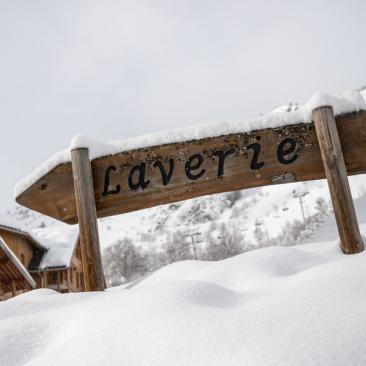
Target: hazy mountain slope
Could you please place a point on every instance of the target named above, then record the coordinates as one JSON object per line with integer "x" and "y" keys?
{"x": 269, "y": 209}
{"x": 29, "y": 219}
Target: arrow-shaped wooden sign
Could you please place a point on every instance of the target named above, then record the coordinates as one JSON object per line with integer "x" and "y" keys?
{"x": 80, "y": 191}
{"x": 137, "y": 179}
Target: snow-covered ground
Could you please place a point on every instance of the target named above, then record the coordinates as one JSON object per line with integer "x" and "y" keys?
{"x": 303, "y": 305}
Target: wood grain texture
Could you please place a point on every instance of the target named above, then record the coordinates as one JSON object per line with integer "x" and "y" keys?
{"x": 335, "y": 171}
{"x": 53, "y": 194}
{"x": 88, "y": 226}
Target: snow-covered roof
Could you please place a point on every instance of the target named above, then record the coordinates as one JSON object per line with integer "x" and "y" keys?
{"x": 13, "y": 225}
{"x": 60, "y": 242}
{"x": 347, "y": 102}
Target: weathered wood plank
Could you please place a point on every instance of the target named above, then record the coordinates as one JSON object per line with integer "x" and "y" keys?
{"x": 45, "y": 279}
{"x": 58, "y": 281}
{"x": 335, "y": 171}
{"x": 87, "y": 217}
{"x": 248, "y": 160}
{"x": 4, "y": 260}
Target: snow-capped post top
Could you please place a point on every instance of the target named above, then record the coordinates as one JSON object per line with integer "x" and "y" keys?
{"x": 166, "y": 167}
{"x": 80, "y": 141}
{"x": 349, "y": 101}
{"x": 96, "y": 148}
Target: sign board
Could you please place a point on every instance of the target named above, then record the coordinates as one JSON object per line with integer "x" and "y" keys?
{"x": 137, "y": 179}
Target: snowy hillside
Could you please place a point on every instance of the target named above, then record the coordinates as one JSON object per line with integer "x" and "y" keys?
{"x": 269, "y": 209}
{"x": 328, "y": 231}
{"x": 303, "y": 305}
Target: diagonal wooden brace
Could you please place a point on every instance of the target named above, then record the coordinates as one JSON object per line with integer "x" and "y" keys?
{"x": 335, "y": 171}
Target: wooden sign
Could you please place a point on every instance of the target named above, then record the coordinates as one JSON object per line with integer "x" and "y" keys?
{"x": 137, "y": 179}
{"x": 81, "y": 191}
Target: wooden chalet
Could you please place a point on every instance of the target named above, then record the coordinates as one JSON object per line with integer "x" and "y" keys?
{"x": 60, "y": 268}
{"x": 49, "y": 259}
{"x": 14, "y": 277}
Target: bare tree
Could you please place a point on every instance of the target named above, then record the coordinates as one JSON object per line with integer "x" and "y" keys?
{"x": 177, "y": 248}
{"x": 228, "y": 242}
{"x": 123, "y": 261}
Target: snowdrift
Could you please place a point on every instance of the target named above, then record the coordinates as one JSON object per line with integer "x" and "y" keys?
{"x": 303, "y": 305}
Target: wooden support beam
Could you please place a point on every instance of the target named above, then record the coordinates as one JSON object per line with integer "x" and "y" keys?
{"x": 13, "y": 288}
{"x": 87, "y": 218}
{"x": 2, "y": 289}
{"x": 58, "y": 281}
{"x": 68, "y": 279}
{"x": 45, "y": 278}
{"x": 336, "y": 174}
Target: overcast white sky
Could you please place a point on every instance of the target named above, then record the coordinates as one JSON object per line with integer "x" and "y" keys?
{"x": 117, "y": 69}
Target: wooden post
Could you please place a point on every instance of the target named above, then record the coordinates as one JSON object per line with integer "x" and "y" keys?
{"x": 335, "y": 171}
{"x": 87, "y": 217}
{"x": 58, "y": 281}
{"x": 2, "y": 289}
{"x": 68, "y": 279}
{"x": 13, "y": 288}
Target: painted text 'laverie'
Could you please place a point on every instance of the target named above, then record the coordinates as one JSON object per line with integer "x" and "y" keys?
{"x": 193, "y": 167}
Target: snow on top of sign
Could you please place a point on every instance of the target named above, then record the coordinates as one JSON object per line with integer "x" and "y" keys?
{"x": 279, "y": 306}
{"x": 60, "y": 242}
{"x": 349, "y": 101}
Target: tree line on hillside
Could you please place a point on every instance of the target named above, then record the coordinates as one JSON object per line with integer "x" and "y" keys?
{"x": 125, "y": 261}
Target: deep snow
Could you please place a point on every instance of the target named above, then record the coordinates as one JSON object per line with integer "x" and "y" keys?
{"x": 303, "y": 305}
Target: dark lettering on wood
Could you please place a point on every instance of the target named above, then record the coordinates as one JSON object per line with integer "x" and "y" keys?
{"x": 164, "y": 175}
{"x": 190, "y": 166}
{"x": 255, "y": 165}
{"x": 222, "y": 154}
{"x": 287, "y": 155}
{"x": 141, "y": 182}
{"x": 106, "y": 190}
